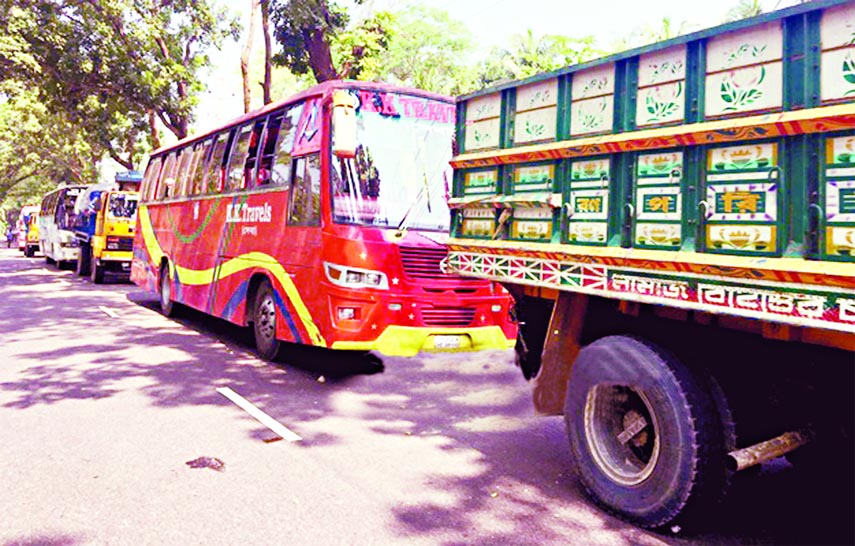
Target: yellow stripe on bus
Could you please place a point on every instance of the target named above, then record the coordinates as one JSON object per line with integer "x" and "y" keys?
{"x": 259, "y": 259}
{"x": 148, "y": 236}
{"x": 192, "y": 277}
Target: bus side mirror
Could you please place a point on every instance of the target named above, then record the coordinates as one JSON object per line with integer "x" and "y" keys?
{"x": 344, "y": 124}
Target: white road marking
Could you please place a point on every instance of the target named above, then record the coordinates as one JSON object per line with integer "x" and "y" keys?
{"x": 259, "y": 415}
{"x": 109, "y": 312}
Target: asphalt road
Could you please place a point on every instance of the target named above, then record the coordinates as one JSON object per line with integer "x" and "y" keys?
{"x": 103, "y": 402}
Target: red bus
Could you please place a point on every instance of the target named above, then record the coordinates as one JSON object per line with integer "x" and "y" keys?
{"x": 320, "y": 220}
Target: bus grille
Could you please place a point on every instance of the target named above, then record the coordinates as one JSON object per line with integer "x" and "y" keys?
{"x": 448, "y": 316}
{"x": 126, "y": 243}
{"x": 423, "y": 263}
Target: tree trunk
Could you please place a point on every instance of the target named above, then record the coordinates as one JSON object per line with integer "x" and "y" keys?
{"x": 320, "y": 58}
{"x": 245, "y": 56}
{"x": 152, "y": 126}
{"x": 268, "y": 50}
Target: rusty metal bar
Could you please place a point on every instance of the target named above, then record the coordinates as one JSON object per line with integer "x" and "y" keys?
{"x": 741, "y": 459}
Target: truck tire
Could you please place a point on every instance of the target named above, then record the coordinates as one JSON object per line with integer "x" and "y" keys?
{"x": 97, "y": 270}
{"x": 83, "y": 261}
{"x": 264, "y": 321}
{"x": 645, "y": 432}
{"x": 164, "y": 288}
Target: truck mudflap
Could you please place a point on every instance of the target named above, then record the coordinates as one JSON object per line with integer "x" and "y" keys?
{"x": 560, "y": 349}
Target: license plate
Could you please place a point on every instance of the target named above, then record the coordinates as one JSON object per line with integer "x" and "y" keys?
{"x": 446, "y": 342}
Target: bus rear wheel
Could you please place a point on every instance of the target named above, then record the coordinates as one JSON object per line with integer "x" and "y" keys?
{"x": 264, "y": 321}
{"x": 646, "y": 435}
{"x": 167, "y": 307}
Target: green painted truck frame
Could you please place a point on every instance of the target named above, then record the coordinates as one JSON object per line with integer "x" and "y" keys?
{"x": 686, "y": 209}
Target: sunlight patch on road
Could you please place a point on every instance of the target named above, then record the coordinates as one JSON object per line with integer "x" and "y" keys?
{"x": 474, "y": 363}
{"x": 352, "y": 403}
{"x": 492, "y": 423}
{"x": 487, "y": 397}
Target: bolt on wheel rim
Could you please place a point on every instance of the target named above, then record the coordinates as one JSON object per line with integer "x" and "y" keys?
{"x": 622, "y": 433}
{"x": 266, "y": 318}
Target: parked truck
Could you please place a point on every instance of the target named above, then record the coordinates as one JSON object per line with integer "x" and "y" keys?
{"x": 677, "y": 223}
{"x": 105, "y": 216}
{"x": 32, "y": 235}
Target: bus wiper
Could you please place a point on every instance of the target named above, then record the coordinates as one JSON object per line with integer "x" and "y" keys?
{"x": 425, "y": 191}
{"x": 426, "y": 188}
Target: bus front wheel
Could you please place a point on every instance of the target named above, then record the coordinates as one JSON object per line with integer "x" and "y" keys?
{"x": 167, "y": 307}
{"x": 264, "y": 321}
{"x": 646, "y": 435}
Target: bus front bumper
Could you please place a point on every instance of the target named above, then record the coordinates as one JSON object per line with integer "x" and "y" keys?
{"x": 410, "y": 340}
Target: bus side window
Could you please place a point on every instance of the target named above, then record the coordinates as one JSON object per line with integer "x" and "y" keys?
{"x": 280, "y": 155}
{"x": 237, "y": 159}
{"x": 182, "y": 172}
{"x": 188, "y": 171}
{"x": 306, "y": 192}
{"x": 252, "y": 155}
{"x": 268, "y": 150}
{"x": 167, "y": 177}
{"x": 215, "y": 164}
{"x": 201, "y": 177}
{"x": 149, "y": 183}
{"x": 194, "y": 176}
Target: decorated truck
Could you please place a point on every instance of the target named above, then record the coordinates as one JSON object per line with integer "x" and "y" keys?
{"x": 677, "y": 224}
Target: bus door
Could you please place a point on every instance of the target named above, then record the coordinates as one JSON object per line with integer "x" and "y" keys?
{"x": 742, "y": 201}
{"x": 300, "y": 239}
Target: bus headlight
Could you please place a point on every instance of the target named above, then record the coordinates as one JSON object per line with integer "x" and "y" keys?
{"x": 352, "y": 277}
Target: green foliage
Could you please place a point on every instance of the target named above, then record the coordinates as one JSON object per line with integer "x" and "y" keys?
{"x": 529, "y": 54}
{"x": 743, "y": 10}
{"x": 362, "y": 52}
{"x": 649, "y": 34}
{"x": 426, "y": 49}
{"x": 85, "y": 79}
{"x": 303, "y": 29}
{"x": 108, "y": 65}
{"x": 415, "y": 46}
{"x": 39, "y": 149}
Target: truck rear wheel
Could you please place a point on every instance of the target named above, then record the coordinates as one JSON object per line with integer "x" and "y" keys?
{"x": 264, "y": 321}
{"x": 83, "y": 261}
{"x": 97, "y": 270}
{"x": 645, "y": 433}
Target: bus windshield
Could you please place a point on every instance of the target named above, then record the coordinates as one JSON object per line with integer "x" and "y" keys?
{"x": 400, "y": 176}
{"x": 122, "y": 206}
